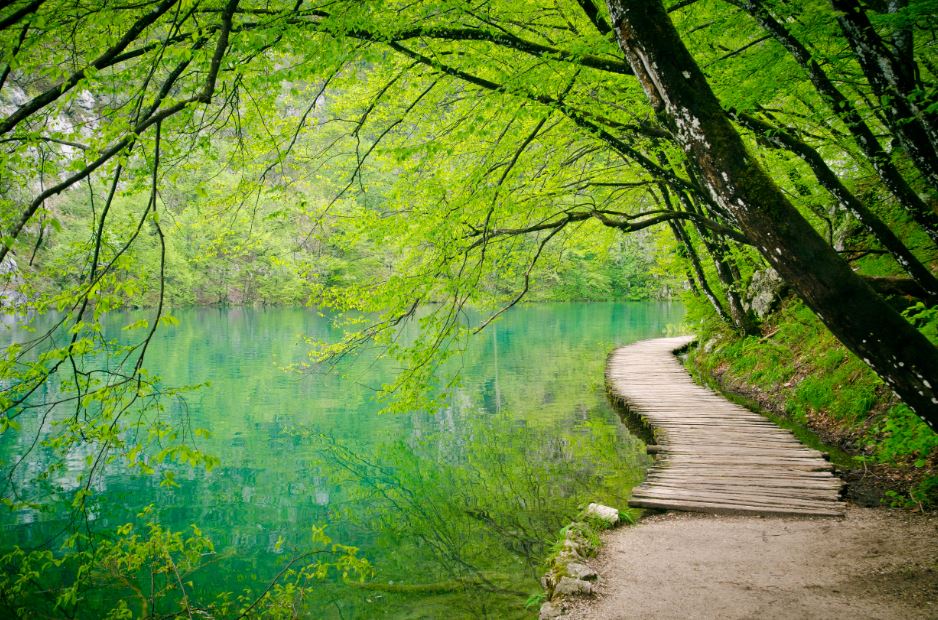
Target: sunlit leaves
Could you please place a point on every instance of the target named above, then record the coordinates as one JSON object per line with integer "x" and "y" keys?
{"x": 146, "y": 565}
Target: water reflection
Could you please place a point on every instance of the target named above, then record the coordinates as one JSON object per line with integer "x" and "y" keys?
{"x": 452, "y": 508}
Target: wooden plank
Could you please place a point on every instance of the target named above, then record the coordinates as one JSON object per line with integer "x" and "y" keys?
{"x": 703, "y": 470}
{"x": 734, "y": 490}
{"x": 733, "y": 509}
{"x": 673, "y": 461}
{"x": 742, "y": 500}
{"x": 791, "y": 482}
{"x": 795, "y": 483}
{"x": 729, "y": 450}
{"x": 779, "y": 507}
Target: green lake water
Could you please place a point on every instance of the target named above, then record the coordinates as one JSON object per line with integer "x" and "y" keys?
{"x": 455, "y": 509}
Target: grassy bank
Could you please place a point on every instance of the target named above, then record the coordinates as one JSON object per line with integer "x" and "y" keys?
{"x": 796, "y": 371}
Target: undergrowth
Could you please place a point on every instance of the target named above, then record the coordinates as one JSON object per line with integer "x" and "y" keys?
{"x": 796, "y": 369}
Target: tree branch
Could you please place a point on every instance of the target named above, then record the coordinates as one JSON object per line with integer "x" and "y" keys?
{"x": 104, "y": 60}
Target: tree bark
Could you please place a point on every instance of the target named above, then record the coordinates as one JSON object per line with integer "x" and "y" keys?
{"x": 858, "y": 317}
{"x": 903, "y": 43}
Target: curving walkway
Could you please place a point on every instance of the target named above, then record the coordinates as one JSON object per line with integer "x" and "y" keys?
{"x": 715, "y": 456}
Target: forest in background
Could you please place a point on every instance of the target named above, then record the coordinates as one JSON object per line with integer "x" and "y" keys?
{"x": 402, "y": 162}
{"x": 268, "y": 254}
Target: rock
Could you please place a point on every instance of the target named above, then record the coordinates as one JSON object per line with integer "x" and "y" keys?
{"x": 10, "y": 283}
{"x": 581, "y": 572}
{"x": 765, "y": 290}
{"x": 572, "y": 548}
{"x": 550, "y": 610}
{"x": 604, "y": 513}
{"x": 549, "y": 580}
{"x": 573, "y": 532}
{"x": 568, "y": 586}
{"x": 568, "y": 555}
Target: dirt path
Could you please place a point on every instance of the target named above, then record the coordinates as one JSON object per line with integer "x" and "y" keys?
{"x": 874, "y": 563}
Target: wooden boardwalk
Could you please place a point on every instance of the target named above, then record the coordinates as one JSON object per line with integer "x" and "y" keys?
{"x": 713, "y": 455}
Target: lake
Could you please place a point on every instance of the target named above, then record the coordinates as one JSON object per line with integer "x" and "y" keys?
{"x": 454, "y": 509}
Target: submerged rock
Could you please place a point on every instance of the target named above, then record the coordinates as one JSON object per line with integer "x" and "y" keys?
{"x": 604, "y": 513}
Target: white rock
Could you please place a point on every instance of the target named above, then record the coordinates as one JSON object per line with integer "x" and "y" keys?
{"x": 572, "y": 548}
{"x": 568, "y": 555}
{"x": 610, "y": 515}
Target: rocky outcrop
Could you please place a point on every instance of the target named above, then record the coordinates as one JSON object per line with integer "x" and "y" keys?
{"x": 766, "y": 289}
{"x": 10, "y": 284}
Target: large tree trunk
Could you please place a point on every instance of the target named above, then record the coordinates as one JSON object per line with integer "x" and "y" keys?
{"x": 859, "y": 318}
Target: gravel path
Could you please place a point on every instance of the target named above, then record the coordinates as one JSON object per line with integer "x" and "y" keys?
{"x": 874, "y": 563}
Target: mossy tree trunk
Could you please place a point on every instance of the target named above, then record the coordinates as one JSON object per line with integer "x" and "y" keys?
{"x": 780, "y": 138}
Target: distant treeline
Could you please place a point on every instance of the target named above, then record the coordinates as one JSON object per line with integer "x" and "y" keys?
{"x": 274, "y": 254}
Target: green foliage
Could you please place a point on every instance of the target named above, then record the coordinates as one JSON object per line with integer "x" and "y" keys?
{"x": 158, "y": 573}
{"x": 607, "y": 266}
{"x": 901, "y": 435}
{"x": 216, "y": 256}
{"x": 475, "y": 507}
{"x": 430, "y": 499}
{"x": 801, "y": 355}
{"x": 921, "y": 496}
{"x": 400, "y": 163}
{"x": 925, "y": 319}
{"x": 925, "y": 493}
{"x": 535, "y": 601}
